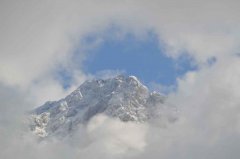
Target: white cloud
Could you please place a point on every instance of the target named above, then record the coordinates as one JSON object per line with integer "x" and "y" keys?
{"x": 117, "y": 137}
{"x": 37, "y": 37}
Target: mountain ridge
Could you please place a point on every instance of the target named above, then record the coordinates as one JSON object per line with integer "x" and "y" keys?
{"x": 122, "y": 97}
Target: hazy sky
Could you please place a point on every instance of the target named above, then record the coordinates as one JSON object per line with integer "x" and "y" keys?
{"x": 187, "y": 48}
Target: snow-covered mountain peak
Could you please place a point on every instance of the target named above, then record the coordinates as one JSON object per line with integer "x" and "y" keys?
{"x": 123, "y": 97}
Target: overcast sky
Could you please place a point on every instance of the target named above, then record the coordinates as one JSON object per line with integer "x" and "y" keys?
{"x": 189, "y": 49}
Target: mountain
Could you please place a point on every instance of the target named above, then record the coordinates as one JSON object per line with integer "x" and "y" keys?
{"x": 123, "y": 97}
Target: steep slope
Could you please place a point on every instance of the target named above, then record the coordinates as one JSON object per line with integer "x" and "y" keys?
{"x": 122, "y": 97}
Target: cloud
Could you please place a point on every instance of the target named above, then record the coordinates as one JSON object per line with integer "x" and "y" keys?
{"x": 210, "y": 105}
{"x": 208, "y": 125}
{"x": 43, "y": 34}
{"x": 117, "y": 137}
{"x": 40, "y": 37}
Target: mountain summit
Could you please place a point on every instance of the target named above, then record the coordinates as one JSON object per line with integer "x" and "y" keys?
{"x": 123, "y": 97}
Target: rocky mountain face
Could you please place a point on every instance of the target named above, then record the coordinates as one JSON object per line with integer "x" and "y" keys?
{"x": 121, "y": 97}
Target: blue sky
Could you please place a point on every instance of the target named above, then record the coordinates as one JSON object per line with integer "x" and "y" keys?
{"x": 143, "y": 58}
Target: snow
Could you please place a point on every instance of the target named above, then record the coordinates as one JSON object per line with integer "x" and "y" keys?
{"x": 123, "y": 97}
